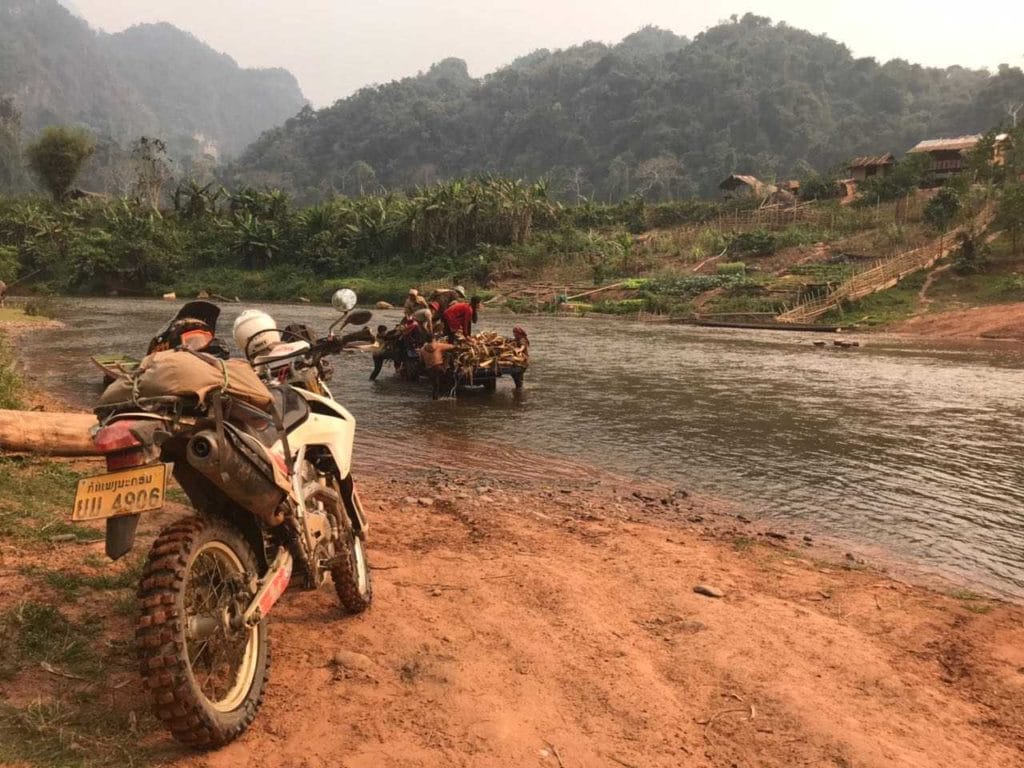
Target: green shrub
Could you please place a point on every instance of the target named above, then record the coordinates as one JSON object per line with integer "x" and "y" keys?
{"x": 635, "y": 283}
{"x": 819, "y": 188}
{"x": 623, "y": 307}
{"x": 690, "y": 286}
{"x": 709, "y": 242}
{"x": 10, "y": 381}
{"x": 732, "y": 268}
{"x": 798, "y": 235}
{"x": 41, "y": 306}
{"x": 941, "y": 211}
{"x": 972, "y": 254}
{"x": 9, "y": 265}
{"x": 680, "y": 212}
{"x": 760, "y": 242}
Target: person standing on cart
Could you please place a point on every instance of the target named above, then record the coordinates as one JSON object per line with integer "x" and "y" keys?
{"x": 459, "y": 318}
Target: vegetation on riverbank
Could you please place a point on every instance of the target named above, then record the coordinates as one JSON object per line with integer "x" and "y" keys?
{"x": 510, "y": 240}
{"x": 10, "y": 381}
{"x": 257, "y": 245}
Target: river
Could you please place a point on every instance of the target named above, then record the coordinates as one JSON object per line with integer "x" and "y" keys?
{"x": 910, "y": 447}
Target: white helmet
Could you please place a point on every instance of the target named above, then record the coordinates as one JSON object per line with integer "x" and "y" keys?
{"x": 250, "y": 323}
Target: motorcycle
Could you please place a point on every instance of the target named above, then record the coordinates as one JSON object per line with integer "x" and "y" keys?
{"x": 401, "y": 346}
{"x": 264, "y": 453}
{"x": 194, "y": 325}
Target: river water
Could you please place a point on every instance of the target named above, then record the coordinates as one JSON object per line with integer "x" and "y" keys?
{"x": 913, "y": 448}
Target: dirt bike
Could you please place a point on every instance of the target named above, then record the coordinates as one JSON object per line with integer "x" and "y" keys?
{"x": 267, "y": 467}
{"x": 403, "y": 352}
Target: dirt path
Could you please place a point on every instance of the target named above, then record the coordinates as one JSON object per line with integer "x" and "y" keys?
{"x": 922, "y": 296}
{"x": 513, "y": 623}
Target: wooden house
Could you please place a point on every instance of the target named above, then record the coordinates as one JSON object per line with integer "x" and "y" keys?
{"x": 950, "y": 156}
{"x": 863, "y": 168}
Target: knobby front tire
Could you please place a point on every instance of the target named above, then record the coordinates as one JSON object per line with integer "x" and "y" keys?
{"x": 206, "y": 679}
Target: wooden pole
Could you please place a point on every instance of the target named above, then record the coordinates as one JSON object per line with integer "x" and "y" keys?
{"x": 596, "y": 290}
{"x": 48, "y": 433}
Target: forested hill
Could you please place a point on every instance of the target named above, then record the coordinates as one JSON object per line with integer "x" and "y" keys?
{"x": 148, "y": 80}
{"x": 656, "y": 114}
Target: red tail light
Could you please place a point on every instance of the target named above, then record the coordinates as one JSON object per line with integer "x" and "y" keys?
{"x": 120, "y": 445}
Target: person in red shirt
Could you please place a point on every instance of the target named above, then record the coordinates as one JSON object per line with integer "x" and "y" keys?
{"x": 459, "y": 318}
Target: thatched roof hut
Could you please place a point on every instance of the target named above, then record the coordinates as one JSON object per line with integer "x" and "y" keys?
{"x": 866, "y": 166}
{"x": 738, "y": 185}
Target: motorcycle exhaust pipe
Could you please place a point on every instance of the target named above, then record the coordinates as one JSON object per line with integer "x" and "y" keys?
{"x": 238, "y": 472}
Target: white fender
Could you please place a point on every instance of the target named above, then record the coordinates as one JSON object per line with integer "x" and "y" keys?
{"x": 330, "y": 425}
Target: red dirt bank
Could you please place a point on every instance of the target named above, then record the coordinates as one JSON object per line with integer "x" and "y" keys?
{"x": 544, "y": 615}
{"x": 1000, "y": 321}
{"x": 526, "y": 620}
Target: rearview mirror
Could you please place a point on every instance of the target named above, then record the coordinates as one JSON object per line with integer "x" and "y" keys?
{"x": 344, "y": 299}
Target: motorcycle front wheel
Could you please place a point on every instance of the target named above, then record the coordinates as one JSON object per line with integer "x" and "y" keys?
{"x": 351, "y": 572}
{"x": 205, "y": 671}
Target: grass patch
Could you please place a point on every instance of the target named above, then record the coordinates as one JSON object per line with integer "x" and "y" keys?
{"x": 10, "y": 382}
{"x": 78, "y": 732}
{"x": 972, "y": 601}
{"x": 12, "y": 315}
{"x": 73, "y": 583}
{"x": 177, "y": 495}
{"x": 42, "y": 307}
{"x": 36, "y": 633}
{"x": 624, "y": 307}
{"x": 743, "y": 543}
{"x": 35, "y": 501}
{"x": 883, "y": 308}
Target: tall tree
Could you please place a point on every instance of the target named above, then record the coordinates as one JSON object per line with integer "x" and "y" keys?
{"x": 1010, "y": 213}
{"x": 57, "y": 158}
{"x": 12, "y": 175}
{"x": 152, "y": 171}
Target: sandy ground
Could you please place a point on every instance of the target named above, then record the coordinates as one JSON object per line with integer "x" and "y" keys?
{"x": 1000, "y": 321}
{"x": 524, "y": 621}
{"x": 517, "y": 626}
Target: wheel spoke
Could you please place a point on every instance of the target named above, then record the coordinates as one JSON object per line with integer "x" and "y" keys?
{"x": 220, "y": 660}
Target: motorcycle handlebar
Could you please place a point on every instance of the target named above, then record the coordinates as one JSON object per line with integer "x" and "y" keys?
{"x": 333, "y": 345}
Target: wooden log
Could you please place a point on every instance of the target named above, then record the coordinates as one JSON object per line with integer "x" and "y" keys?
{"x": 45, "y": 432}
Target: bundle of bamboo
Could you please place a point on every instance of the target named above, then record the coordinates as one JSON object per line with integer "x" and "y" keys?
{"x": 488, "y": 351}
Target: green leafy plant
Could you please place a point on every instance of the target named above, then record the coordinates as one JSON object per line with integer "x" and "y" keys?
{"x": 57, "y": 157}
{"x": 943, "y": 209}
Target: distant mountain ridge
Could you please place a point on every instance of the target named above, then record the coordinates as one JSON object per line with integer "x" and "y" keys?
{"x": 151, "y": 79}
{"x": 657, "y": 114}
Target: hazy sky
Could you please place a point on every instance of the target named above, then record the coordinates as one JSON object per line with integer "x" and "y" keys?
{"x": 335, "y": 46}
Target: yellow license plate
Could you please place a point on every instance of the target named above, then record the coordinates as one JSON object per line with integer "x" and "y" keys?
{"x": 120, "y": 493}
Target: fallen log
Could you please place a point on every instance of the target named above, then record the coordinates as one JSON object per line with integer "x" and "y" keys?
{"x": 45, "y": 432}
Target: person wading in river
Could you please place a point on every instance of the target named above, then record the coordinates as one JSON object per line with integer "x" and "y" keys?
{"x": 445, "y": 297}
{"x": 414, "y": 302}
{"x": 432, "y": 355}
